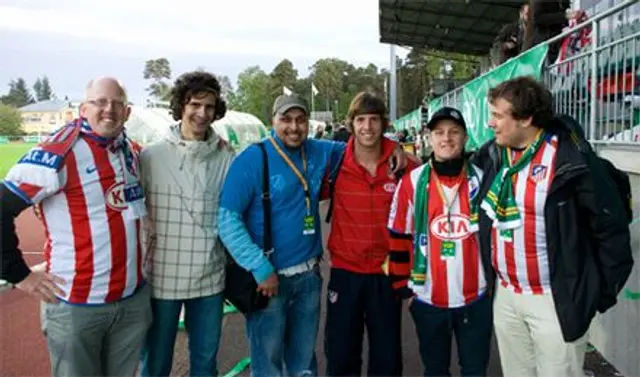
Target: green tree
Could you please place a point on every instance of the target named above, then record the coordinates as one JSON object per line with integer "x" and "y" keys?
{"x": 227, "y": 91}
{"x": 355, "y": 80}
{"x": 157, "y": 70}
{"x": 46, "y": 93}
{"x": 283, "y": 74}
{"x": 414, "y": 79}
{"x": 42, "y": 89}
{"x": 329, "y": 75}
{"x": 37, "y": 88}
{"x": 10, "y": 121}
{"x": 302, "y": 87}
{"x": 252, "y": 95}
{"x": 18, "y": 95}
{"x": 416, "y": 75}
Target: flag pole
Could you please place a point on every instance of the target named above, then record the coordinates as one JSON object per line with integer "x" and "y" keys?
{"x": 313, "y": 105}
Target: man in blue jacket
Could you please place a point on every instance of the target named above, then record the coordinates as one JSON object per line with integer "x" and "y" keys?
{"x": 287, "y": 328}
{"x": 285, "y": 331}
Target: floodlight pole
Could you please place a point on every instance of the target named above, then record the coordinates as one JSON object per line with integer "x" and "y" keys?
{"x": 392, "y": 83}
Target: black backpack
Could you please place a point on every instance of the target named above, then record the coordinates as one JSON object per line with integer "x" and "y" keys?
{"x": 240, "y": 286}
{"x": 618, "y": 177}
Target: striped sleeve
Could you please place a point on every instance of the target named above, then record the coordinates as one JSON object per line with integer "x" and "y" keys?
{"x": 401, "y": 234}
{"x": 37, "y": 175}
{"x": 41, "y": 172}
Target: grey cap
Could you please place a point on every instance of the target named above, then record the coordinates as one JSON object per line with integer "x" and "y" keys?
{"x": 286, "y": 102}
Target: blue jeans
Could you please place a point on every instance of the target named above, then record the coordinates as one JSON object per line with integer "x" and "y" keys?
{"x": 203, "y": 321}
{"x": 284, "y": 333}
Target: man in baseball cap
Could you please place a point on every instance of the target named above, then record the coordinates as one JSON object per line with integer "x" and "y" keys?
{"x": 445, "y": 284}
{"x": 447, "y": 113}
{"x": 286, "y": 102}
{"x": 283, "y": 335}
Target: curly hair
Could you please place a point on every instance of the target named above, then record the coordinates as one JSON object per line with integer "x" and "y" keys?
{"x": 528, "y": 98}
{"x": 195, "y": 83}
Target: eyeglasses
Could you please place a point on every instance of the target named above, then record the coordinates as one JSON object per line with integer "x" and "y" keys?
{"x": 103, "y": 103}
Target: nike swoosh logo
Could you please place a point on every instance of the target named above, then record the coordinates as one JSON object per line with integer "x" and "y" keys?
{"x": 91, "y": 169}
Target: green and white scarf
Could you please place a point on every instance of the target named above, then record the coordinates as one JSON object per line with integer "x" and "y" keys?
{"x": 421, "y": 218}
{"x": 500, "y": 203}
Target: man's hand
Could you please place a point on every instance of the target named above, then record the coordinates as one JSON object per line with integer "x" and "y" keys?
{"x": 269, "y": 287}
{"x": 398, "y": 161}
{"x": 42, "y": 286}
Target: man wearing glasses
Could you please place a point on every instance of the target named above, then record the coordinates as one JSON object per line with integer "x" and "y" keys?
{"x": 84, "y": 181}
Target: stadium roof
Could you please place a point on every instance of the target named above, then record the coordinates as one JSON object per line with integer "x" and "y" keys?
{"x": 46, "y": 106}
{"x": 462, "y": 26}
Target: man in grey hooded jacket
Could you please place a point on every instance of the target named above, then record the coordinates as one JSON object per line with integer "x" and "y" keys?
{"x": 183, "y": 176}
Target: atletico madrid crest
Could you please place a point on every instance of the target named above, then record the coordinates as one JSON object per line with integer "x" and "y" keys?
{"x": 538, "y": 173}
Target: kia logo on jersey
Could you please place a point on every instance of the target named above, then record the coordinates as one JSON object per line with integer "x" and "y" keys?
{"x": 389, "y": 187}
{"x": 458, "y": 229}
{"x": 115, "y": 197}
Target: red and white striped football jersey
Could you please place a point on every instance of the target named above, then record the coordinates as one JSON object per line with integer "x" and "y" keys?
{"x": 91, "y": 217}
{"x": 523, "y": 265}
{"x": 450, "y": 282}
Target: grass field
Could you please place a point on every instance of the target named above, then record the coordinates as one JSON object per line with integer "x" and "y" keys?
{"x": 10, "y": 154}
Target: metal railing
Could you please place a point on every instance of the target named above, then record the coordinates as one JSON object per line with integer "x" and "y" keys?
{"x": 599, "y": 85}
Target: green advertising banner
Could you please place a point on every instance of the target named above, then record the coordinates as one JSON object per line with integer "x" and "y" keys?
{"x": 435, "y": 105}
{"x": 473, "y": 102}
{"x": 411, "y": 120}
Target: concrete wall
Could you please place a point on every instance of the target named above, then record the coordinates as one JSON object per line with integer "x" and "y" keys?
{"x": 616, "y": 334}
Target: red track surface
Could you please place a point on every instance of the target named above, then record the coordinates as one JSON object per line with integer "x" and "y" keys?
{"x": 24, "y": 351}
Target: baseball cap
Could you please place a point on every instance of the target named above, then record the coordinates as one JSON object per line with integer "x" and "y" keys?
{"x": 447, "y": 113}
{"x": 286, "y": 102}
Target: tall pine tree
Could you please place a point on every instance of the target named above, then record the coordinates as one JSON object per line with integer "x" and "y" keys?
{"x": 18, "y": 95}
{"x": 46, "y": 93}
{"x": 42, "y": 89}
{"x": 37, "y": 88}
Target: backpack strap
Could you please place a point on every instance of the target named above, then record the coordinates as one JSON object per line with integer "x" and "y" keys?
{"x": 266, "y": 203}
{"x": 332, "y": 188}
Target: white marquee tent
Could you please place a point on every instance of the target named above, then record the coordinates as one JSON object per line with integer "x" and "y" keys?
{"x": 147, "y": 125}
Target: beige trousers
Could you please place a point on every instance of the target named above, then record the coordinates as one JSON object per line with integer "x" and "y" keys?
{"x": 529, "y": 337}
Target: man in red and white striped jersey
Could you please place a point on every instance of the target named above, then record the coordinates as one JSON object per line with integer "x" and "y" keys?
{"x": 84, "y": 181}
{"x": 435, "y": 249}
{"x": 554, "y": 231}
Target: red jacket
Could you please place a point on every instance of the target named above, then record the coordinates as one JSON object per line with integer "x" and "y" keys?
{"x": 359, "y": 239}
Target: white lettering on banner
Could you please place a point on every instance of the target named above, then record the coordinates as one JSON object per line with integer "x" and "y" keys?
{"x": 457, "y": 229}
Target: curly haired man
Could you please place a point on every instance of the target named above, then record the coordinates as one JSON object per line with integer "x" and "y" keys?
{"x": 182, "y": 176}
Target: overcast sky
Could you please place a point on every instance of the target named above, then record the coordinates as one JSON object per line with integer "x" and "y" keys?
{"x": 72, "y": 41}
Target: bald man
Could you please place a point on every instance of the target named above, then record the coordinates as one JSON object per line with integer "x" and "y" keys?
{"x": 84, "y": 181}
